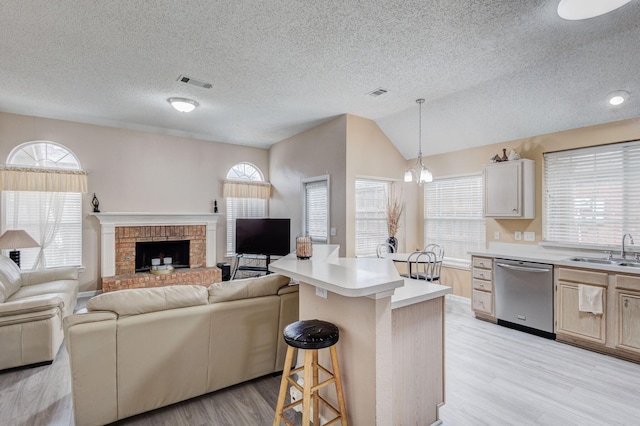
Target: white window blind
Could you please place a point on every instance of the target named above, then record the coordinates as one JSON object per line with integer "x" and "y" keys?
{"x": 316, "y": 214}
{"x": 29, "y": 210}
{"x": 371, "y": 218}
{"x": 592, "y": 195}
{"x": 453, "y": 215}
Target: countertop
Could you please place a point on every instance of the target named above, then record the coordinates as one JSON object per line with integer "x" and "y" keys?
{"x": 360, "y": 277}
{"x": 560, "y": 257}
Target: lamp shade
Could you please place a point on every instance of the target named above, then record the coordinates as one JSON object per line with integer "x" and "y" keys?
{"x": 17, "y": 238}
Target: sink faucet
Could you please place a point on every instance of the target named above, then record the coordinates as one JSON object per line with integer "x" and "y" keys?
{"x": 623, "y": 255}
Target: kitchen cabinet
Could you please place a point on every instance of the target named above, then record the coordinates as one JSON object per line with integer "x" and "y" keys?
{"x": 482, "y": 298}
{"x": 570, "y": 321}
{"x": 509, "y": 189}
{"x": 628, "y": 318}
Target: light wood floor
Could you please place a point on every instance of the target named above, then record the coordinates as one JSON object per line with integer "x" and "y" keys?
{"x": 495, "y": 376}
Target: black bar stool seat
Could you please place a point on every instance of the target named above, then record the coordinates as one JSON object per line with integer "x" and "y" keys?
{"x": 311, "y": 334}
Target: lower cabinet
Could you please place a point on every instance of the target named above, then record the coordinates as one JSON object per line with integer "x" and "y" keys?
{"x": 570, "y": 320}
{"x": 628, "y": 318}
{"x": 482, "y": 288}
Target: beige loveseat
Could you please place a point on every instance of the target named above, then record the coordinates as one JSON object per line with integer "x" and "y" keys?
{"x": 32, "y": 306}
{"x": 136, "y": 350}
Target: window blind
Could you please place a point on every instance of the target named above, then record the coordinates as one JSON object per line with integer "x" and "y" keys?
{"x": 592, "y": 195}
{"x": 33, "y": 211}
{"x": 453, "y": 215}
{"x": 371, "y": 218}
{"x": 316, "y": 203}
{"x": 242, "y": 208}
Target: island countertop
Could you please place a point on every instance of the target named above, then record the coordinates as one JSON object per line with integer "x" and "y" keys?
{"x": 371, "y": 277}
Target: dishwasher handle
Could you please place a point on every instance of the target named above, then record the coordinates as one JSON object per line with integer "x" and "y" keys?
{"x": 522, "y": 268}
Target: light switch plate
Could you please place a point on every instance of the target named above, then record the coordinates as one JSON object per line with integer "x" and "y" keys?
{"x": 529, "y": 236}
{"x": 333, "y": 232}
{"x": 517, "y": 235}
{"x": 321, "y": 292}
{"x": 496, "y": 235}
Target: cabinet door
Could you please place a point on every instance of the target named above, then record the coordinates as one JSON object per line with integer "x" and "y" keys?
{"x": 502, "y": 190}
{"x": 629, "y": 321}
{"x": 571, "y": 321}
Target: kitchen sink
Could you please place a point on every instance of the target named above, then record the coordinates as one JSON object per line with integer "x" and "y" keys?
{"x": 616, "y": 262}
{"x": 596, "y": 260}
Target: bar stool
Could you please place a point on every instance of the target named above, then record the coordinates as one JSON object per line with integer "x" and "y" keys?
{"x": 311, "y": 335}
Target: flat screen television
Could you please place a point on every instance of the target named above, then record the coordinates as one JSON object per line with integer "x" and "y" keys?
{"x": 263, "y": 236}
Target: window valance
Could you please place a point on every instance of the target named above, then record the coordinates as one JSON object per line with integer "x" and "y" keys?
{"x": 42, "y": 179}
{"x": 240, "y": 189}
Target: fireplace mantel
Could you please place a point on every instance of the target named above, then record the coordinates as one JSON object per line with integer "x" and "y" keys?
{"x": 109, "y": 221}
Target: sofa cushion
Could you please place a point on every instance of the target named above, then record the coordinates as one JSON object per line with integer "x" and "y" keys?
{"x": 3, "y": 293}
{"x": 265, "y": 285}
{"x": 143, "y": 300}
{"x": 9, "y": 275}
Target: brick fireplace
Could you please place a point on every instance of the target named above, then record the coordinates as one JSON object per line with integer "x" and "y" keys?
{"x": 121, "y": 231}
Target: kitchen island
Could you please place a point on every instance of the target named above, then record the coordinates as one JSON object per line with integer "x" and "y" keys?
{"x": 391, "y": 347}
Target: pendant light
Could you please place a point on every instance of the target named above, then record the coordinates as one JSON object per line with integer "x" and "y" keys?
{"x": 419, "y": 172}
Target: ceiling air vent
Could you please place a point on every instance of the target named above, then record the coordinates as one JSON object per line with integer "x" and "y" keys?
{"x": 377, "y": 92}
{"x": 194, "y": 81}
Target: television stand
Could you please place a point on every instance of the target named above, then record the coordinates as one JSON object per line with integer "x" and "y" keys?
{"x": 261, "y": 264}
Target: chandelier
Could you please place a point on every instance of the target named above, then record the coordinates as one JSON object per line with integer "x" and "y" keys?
{"x": 419, "y": 173}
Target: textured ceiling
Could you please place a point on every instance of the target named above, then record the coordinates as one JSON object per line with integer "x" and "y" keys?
{"x": 490, "y": 71}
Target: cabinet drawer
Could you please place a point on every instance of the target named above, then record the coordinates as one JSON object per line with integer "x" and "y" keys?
{"x": 482, "y": 274}
{"x": 629, "y": 282}
{"x": 583, "y": 277}
{"x": 482, "y": 301}
{"x": 482, "y": 262}
{"x": 483, "y": 285}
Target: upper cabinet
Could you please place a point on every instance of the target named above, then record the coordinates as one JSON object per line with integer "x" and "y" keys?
{"x": 509, "y": 189}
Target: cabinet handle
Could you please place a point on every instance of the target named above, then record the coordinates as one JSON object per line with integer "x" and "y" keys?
{"x": 626, "y": 303}
{"x": 482, "y": 285}
{"x": 514, "y": 210}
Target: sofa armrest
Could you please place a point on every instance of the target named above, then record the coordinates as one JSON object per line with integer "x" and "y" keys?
{"x": 46, "y": 275}
{"x": 39, "y": 303}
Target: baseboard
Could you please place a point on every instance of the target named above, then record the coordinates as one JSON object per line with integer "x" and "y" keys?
{"x": 92, "y": 293}
{"x": 458, "y": 298}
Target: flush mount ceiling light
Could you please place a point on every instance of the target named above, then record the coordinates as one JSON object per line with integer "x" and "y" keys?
{"x": 574, "y": 10}
{"x": 618, "y": 97}
{"x": 183, "y": 104}
{"x": 419, "y": 171}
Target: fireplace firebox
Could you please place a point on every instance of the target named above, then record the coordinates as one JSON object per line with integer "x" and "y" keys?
{"x": 177, "y": 250}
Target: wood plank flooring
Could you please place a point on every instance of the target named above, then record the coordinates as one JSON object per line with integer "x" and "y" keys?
{"x": 494, "y": 376}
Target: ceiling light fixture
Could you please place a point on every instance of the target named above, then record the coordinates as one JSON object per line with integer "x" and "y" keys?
{"x": 419, "y": 171}
{"x": 618, "y": 97}
{"x": 574, "y": 10}
{"x": 183, "y": 104}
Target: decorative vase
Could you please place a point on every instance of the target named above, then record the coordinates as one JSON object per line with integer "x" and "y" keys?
{"x": 393, "y": 242}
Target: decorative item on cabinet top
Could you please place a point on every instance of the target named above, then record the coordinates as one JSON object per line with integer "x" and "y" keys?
{"x": 513, "y": 155}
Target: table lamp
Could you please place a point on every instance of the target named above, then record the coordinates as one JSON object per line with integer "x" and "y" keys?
{"x": 14, "y": 239}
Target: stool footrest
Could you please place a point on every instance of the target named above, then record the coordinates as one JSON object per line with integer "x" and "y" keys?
{"x": 323, "y": 384}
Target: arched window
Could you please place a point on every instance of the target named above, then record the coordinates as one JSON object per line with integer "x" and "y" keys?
{"x": 47, "y": 204}
{"x": 246, "y": 195}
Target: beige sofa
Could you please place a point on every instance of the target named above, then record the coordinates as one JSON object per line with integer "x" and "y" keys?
{"x": 32, "y": 306}
{"x": 136, "y": 350}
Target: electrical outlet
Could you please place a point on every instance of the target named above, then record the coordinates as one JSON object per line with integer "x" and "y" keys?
{"x": 496, "y": 235}
{"x": 333, "y": 232}
{"x": 321, "y": 292}
{"x": 517, "y": 235}
{"x": 529, "y": 236}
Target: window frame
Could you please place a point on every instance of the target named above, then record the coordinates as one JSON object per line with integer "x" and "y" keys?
{"x": 479, "y": 220}
{"x": 305, "y": 183}
{"x": 384, "y": 204}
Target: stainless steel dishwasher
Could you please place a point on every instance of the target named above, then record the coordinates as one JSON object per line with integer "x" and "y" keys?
{"x": 524, "y": 296}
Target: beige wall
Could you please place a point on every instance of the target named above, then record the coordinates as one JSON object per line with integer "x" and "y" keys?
{"x": 316, "y": 152}
{"x": 471, "y": 161}
{"x": 371, "y": 154}
{"x": 134, "y": 171}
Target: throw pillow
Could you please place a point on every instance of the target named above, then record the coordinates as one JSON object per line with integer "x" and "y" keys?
{"x": 3, "y": 293}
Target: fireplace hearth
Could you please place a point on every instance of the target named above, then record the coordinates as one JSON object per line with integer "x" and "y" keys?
{"x": 147, "y": 250}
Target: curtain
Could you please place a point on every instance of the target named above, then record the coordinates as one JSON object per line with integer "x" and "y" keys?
{"x": 41, "y": 179}
{"x": 239, "y": 189}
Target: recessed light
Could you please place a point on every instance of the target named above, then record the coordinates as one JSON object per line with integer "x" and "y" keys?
{"x": 618, "y": 97}
{"x": 183, "y": 104}
{"x": 574, "y": 10}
